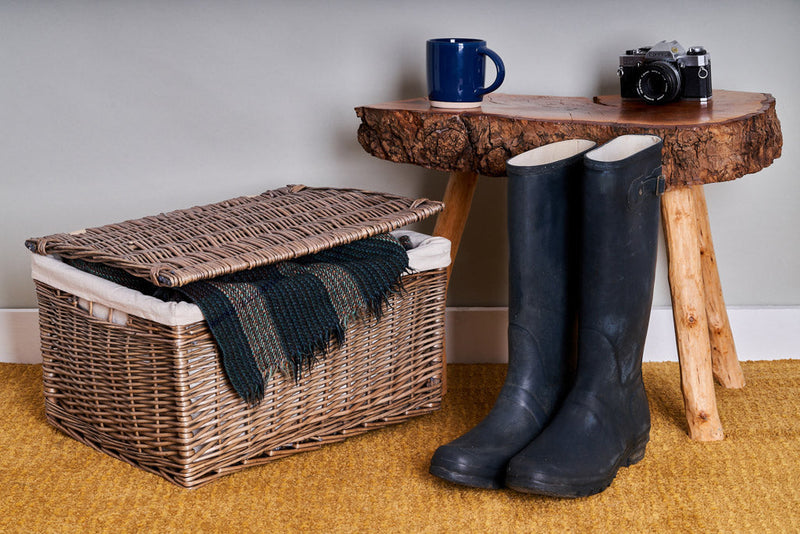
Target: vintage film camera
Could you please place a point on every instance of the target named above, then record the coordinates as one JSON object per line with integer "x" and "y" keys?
{"x": 665, "y": 72}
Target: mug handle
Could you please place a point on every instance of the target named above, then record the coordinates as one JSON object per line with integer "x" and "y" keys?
{"x": 501, "y": 70}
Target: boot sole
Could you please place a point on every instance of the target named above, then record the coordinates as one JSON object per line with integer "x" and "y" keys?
{"x": 464, "y": 479}
{"x": 574, "y": 490}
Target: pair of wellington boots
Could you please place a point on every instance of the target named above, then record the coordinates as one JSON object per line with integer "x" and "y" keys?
{"x": 582, "y": 227}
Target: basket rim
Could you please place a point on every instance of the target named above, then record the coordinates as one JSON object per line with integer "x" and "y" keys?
{"x": 428, "y": 254}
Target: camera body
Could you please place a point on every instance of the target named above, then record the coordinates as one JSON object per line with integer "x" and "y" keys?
{"x": 665, "y": 72}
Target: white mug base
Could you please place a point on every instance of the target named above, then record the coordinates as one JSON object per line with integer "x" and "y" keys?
{"x": 455, "y": 105}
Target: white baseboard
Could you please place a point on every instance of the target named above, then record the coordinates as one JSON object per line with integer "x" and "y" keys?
{"x": 19, "y": 336}
{"x": 478, "y": 335}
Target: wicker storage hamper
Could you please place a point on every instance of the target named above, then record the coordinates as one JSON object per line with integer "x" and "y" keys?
{"x": 140, "y": 379}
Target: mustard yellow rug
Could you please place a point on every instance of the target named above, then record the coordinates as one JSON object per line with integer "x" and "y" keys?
{"x": 378, "y": 482}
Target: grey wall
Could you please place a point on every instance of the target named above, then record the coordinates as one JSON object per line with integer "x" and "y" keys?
{"x": 113, "y": 110}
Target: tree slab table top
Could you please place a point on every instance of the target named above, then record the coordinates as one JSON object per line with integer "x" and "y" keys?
{"x": 732, "y": 135}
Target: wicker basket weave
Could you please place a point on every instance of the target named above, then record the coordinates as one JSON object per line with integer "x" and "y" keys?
{"x": 204, "y": 242}
{"x": 157, "y": 397}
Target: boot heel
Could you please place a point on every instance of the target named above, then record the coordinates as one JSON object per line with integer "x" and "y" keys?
{"x": 637, "y": 453}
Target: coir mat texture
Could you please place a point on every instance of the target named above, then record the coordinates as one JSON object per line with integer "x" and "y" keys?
{"x": 378, "y": 482}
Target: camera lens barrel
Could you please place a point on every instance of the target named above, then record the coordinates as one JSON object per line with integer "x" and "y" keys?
{"x": 659, "y": 82}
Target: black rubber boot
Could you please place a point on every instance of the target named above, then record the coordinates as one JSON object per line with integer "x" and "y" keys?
{"x": 542, "y": 231}
{"x": 604, "y": 423}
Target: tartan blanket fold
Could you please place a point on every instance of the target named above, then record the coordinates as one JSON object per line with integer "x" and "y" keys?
{"x": 284, "y": 317}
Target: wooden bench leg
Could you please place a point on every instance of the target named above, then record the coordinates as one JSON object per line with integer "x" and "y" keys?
{"x": 450, "y": 224}
{"x": 689, "y": 313}
{"x": 457, "y": 201}
{"x": 724, "y": 362}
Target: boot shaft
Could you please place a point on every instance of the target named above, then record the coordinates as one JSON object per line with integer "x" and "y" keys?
{"x": 622, "y": 184}
{"x": 543, "y": 195}
{"x": 543, "y": 187}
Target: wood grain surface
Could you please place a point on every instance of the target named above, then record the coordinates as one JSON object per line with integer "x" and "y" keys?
{"x": 734, "y": 134}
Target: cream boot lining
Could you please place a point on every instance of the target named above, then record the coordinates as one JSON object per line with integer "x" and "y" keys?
{"x": 551, "y": 153}
{"x": 622, "y": 147}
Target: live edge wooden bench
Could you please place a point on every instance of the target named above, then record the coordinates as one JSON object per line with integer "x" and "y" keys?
{"x": 732, "y": 135}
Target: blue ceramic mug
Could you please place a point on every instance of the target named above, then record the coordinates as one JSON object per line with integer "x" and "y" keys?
{"x": 456, "y": 72}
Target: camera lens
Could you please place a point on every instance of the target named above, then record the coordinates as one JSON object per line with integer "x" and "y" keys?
{"x": 659, "y": 82}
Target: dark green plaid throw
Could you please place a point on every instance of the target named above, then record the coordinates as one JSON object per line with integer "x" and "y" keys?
{"x": 284, "y": 316}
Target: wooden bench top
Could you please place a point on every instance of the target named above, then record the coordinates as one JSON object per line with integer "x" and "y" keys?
{"x": 734, "y": 134}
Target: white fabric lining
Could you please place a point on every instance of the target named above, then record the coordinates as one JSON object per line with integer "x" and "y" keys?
{"x": 428, "y": 253}
{"x": 622, "y": 147}
{"x": 113, "y": 302}
{"x": 551, "y": 153}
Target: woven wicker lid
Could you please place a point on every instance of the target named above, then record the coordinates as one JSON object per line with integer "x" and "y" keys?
{"x": 183, "y": 246}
